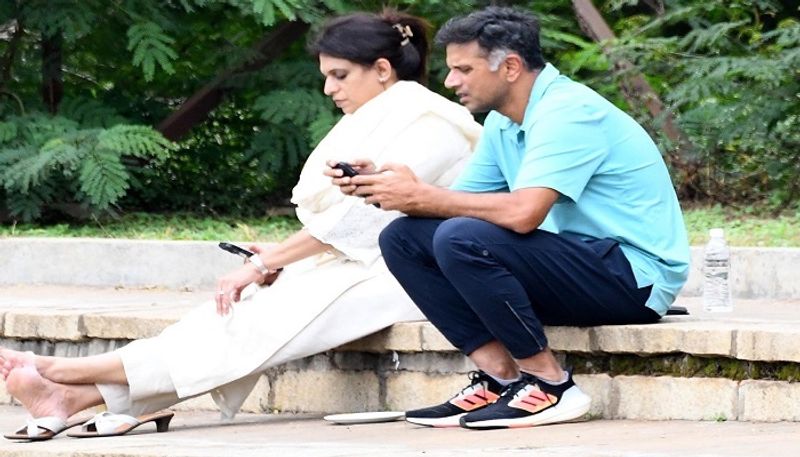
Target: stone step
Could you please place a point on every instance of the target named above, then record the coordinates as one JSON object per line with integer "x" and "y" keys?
{"x": 756, "y": 272}
{"x": 738, "y": 366}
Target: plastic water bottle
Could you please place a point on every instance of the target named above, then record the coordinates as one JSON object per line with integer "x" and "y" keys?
{"x": 716, "y": 273}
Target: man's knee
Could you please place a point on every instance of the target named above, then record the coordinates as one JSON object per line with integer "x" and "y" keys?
{"x": 390, "y": 239}
{"x": 407, "y": 238}
{"x": 462, "y": 238}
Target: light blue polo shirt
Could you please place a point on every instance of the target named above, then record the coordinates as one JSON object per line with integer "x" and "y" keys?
{"x": 612, "y": 179}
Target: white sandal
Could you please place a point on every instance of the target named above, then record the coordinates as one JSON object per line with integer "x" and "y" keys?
{"x": 111, "y": 424}
{"x": 43, "y": 428}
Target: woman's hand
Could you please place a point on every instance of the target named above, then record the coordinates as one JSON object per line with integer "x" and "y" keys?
{"x": 362, "y": 166}
{"x": 269, "y": 278}
{"x": 230, "y": 286}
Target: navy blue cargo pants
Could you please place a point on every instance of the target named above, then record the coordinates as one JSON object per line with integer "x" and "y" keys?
{"x": 478, "y": 282}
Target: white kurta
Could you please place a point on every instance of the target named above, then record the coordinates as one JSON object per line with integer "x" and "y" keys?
{"x": 321, "y": 302}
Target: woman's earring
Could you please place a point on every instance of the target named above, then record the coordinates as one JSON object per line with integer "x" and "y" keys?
{"x": 382, "y": 79}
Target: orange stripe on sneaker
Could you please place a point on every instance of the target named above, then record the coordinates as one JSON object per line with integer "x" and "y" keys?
{"x": 476, "y": 399}
{"x": 533, "y": 401}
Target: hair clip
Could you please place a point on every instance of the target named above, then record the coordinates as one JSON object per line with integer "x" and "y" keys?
{"x": 405, "y": 32}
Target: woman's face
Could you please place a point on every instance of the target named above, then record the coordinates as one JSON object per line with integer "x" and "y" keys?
{"x": 350, "y": 84}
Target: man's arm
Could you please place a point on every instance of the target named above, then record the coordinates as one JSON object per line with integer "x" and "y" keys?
{"x": 397, "y": 188}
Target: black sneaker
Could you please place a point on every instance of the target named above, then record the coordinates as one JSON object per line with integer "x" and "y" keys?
{"x": 481, "y": 391}
{"x": 529, "y": 402}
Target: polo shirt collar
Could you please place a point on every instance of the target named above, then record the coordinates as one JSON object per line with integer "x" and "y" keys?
{"x": 543, "y": 80}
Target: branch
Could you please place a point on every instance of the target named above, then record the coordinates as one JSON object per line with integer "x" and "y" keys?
{"x": 195, "y": 110}
{"x": 635, "y": 87}
{"x": 15, "y": 97}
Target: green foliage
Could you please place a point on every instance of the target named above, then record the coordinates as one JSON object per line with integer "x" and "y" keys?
{"x": 49, "y": 160}
{"x": 295, "y": 120}
{"x": 50, "y": 17}
{"x": 728, "y": 71}
{"x": 150, "y": 46}
{"x": 731, "y": 73}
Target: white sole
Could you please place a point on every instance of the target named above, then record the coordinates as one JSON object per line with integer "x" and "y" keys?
{"x": 452, "y": 421}
{"x": 573, "y": 405}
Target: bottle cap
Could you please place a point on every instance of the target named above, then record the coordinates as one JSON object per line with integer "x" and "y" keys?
{"x": 716, "y": 233}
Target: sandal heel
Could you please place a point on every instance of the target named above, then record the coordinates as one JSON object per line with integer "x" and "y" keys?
{"x": 162, "y": 424}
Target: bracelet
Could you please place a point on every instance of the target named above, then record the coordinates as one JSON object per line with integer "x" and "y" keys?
{"x": 255, "y": 259}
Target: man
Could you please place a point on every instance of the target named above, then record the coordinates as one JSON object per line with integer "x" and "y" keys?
{"x": 476, "y": 259}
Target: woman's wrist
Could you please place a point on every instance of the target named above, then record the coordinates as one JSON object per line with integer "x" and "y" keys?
{"x": 259, "y": 264}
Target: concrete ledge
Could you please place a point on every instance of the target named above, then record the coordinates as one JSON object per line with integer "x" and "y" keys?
{"x": 756, "y": 272}
{"x": 76, "y": 314}
{"x": 112, "y": 262}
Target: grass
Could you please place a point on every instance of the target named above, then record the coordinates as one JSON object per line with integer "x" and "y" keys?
{"x": 166, "y": 227}
{"x": 742, "y": 227}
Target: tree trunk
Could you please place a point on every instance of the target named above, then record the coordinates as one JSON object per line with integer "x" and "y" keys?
{"x": 52, "y": 77}
{"x": 7, "y": 61}
{"x": 637, "y": 91}
{"x": 195, "y": 110}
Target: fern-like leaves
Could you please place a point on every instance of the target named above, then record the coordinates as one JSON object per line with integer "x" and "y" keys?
{"x": 295, "y": 121}
{"x": 46, "y": 160}
{"x": 151, "y": 47}
{"x": 103, "y": 178}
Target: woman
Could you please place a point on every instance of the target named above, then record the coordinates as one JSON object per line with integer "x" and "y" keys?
{"x": 372, "y": 65}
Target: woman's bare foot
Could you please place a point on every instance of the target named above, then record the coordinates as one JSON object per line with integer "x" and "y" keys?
{"x": 38, "y": 395}
{"x": 10, "y": 359}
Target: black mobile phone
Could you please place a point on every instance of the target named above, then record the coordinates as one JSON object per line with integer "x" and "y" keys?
{"x": 347, "y": 169}
{"x": 233, "y": 249}
{"x": 677, "y": 311}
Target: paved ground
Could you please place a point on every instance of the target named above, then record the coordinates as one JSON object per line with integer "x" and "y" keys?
{"x": 202, "y": 435}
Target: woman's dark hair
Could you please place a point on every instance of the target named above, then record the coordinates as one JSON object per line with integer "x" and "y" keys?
{"x": 365, "y": 37}
{"x": 497, "y": 28}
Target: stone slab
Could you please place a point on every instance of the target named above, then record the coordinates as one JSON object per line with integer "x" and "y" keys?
{"x": 326, "y": 391}
{"x": 768, "y": 342}
{"x": 410, "y": 390}
{"x": 667, "y": 398}
{"x": 45, "y": 324}
{"x": 769, "y": 401}
{"x": 760, "y": 330}
{"x": 403, "y": 336}
{"x": 600, "y": 388}
{"x": 131, "y": 324}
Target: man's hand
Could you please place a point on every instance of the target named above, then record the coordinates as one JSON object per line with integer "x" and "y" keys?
{"x": 393, "y": 187}
{"x": 362, "y": 166}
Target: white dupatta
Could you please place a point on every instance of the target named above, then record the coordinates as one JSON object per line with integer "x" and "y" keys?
{"x": 370, "y": 132}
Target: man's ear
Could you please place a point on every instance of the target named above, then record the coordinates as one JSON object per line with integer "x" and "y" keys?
{"x": 514, "y": 67}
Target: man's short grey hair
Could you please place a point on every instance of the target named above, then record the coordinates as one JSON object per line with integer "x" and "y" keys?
{"x": 496, "y": 57}
{"x": 496, "y": 27}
